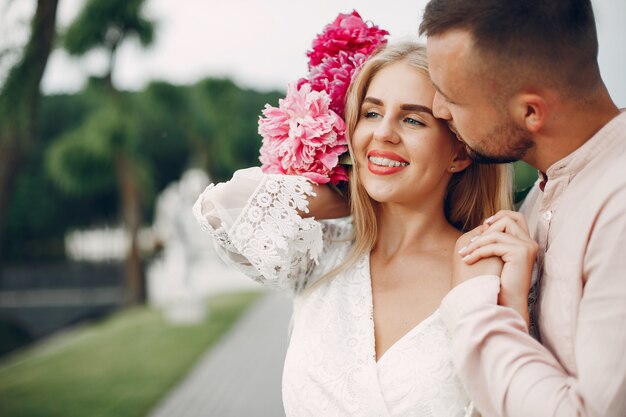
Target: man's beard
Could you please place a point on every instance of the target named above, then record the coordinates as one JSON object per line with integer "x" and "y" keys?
{"x": 519, "y": 141}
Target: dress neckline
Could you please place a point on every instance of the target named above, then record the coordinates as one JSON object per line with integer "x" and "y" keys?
{"x": 410, "y": 332}
{"x": 418, "y": 327}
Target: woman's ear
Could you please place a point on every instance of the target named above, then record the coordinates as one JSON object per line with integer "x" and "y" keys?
{"x": 461, "y": 160}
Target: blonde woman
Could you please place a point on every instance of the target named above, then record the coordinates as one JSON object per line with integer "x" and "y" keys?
{"x": 367, "y": 338}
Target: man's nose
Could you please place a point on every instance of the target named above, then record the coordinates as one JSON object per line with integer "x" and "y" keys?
{"x": 440, "y": 107}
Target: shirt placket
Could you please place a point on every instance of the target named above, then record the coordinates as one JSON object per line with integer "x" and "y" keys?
{"x": 550, "y": 194}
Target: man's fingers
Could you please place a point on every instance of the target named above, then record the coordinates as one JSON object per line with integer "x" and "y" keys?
{"x": 488, "y": 251}
{"x": 520, "y": 248}
{"x": 489, "y": 238}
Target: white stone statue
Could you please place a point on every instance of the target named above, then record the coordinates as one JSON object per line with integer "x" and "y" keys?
{"x": 188, "y": 270}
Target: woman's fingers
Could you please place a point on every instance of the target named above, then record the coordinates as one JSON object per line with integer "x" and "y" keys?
{"x": 468, "y": 237}
{"x": 509, "y": 225}
{"x": 514, "y": 216}
{"x": 462, "y": 271}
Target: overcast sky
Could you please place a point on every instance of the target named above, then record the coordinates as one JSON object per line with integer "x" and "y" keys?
{"x": 262, "y": 43}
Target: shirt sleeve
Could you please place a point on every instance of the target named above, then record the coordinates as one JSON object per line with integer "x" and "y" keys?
{"x": 507, "y": 373}
{"x": 256, "y": 225}
{"x": 601, "y": 327}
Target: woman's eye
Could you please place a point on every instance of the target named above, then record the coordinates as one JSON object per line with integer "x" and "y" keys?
{"x": 370, "y": 114}
{"x": 413, "y": 121}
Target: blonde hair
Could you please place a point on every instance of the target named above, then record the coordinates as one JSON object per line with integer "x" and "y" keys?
{"x": 472, "y": 195}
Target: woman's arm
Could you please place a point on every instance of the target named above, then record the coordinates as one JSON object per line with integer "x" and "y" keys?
{"x": 258, "y": 224}
{"x": 327, "y": 203}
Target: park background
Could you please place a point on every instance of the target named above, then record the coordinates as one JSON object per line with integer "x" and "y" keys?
{"x": 113, "y": 117}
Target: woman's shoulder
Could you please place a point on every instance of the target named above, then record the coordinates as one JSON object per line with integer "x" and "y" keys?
{"x": 340, "y": 229}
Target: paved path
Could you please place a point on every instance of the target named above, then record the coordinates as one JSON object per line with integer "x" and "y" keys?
{"x": 241, "y": 375}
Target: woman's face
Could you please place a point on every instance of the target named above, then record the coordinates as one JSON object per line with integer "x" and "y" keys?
{"x": 404, "y": 154}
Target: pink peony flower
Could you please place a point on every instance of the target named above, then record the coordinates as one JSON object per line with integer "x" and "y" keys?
{"x": 347, "y": 33}
{"x": 303, "y": 136}
{"x": 334, "y": 75}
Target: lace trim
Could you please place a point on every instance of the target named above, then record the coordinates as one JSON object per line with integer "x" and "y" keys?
{"x": 220, "y": 235}
{"x": 270, "y": 232}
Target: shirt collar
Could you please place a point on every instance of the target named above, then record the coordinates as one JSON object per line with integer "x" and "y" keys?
{"x": 573, "y": 163}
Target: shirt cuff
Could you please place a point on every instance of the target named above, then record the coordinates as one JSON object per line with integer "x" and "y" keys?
{"x": 468, "y": 295}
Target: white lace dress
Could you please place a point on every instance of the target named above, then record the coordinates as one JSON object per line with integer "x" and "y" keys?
{"x": 330, "y": 368}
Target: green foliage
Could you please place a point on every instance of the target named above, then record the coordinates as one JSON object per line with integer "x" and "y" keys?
{"x": 525, "y": 177}
{"x": 64, "y": 112}
{"x": 164, "y": 135}
{"x": 229, "y": 130}
{"x": 118, "y": 368}
{"x": 80, "y": 162}
{"x": 69, "y": 183}
{"x": 105, "y": 23}
{"x": 39, "y": 212}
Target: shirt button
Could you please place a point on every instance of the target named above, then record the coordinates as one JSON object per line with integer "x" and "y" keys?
{"x": 547, "y": 215}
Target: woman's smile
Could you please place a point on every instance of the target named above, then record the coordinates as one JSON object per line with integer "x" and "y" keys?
{"x": 385, "y": 163}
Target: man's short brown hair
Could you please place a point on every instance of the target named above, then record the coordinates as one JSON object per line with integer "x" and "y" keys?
{"x": 554, "y": 39}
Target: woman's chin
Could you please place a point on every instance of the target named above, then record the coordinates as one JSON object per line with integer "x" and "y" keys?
{"x": 384, "y": 194}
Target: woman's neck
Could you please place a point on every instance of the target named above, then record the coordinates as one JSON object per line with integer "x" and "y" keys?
{"x": 402, "y": 228}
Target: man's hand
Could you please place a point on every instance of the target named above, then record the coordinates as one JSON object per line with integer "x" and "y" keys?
{"x": 506, "y": 236}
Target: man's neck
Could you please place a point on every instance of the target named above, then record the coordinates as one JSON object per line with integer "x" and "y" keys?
{"x": 570, "y": 128}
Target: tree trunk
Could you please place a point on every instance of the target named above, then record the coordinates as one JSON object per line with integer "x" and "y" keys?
{"x": 10, "y": 162}
{"x": 130, "y": 201}
{"x": 19, "y": 101}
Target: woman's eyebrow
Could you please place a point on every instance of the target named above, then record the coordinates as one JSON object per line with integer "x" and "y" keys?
{"x": 407, "y": 107}
{"x": 373, "y": 100}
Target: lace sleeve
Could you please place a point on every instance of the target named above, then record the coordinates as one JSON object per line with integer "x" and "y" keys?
{"x": 254, "y": 221}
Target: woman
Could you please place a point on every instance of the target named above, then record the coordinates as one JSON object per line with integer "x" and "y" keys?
{"x": 367, "y": 339}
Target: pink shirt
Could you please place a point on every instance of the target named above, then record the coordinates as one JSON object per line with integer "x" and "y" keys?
{"x": 579, "y": 368}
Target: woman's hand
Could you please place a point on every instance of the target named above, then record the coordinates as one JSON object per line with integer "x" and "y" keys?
{"x": 462, "y": 271}
{"x": 327, "y": 203}
{"x": 505, "y": 235}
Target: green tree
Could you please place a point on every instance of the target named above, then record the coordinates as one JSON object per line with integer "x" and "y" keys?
{"x": 108, "y": 136}
{"x": 19, "y": 101}
{"x": 227, "y": 125}
{"x": 40, "y": 212}
{"x": 106, "y": 24}
{"x": 166, "y": 128}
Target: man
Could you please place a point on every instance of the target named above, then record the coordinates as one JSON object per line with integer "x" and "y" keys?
{"x": 520, "y": 80}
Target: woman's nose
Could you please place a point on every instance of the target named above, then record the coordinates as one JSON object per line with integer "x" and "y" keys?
{"x": 385, "y": 132}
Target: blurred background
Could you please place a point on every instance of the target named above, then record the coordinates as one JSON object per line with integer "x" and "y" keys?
{"x": 114, "y": 116}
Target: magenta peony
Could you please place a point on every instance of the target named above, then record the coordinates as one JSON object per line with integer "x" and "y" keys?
{"x": 303, "y": 136}
{"x": 347, "y": 33}
{"x": 334, "y": 75}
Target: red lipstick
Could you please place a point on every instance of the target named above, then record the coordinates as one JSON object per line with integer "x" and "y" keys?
{"x": 384, "y": 170}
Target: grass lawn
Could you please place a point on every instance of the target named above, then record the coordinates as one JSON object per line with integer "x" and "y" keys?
{"x": 119, "y": 367}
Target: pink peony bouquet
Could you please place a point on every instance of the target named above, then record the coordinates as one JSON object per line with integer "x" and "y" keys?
{"x": 305, "y": 134}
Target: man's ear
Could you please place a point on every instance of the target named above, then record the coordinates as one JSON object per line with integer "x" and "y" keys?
{"x": 461, "y": 159}
{"x": 530, "y": 111}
